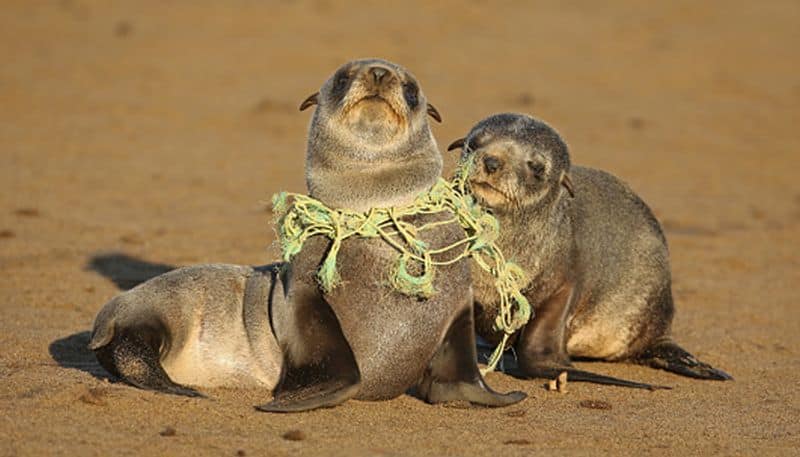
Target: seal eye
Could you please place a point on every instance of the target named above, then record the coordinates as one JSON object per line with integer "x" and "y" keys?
{"x": 537, "y": 168}
{"x": 340, "y": 81}
{"x": 411, "y": 94}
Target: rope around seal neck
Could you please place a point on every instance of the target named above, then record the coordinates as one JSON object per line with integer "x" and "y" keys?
{"x": 305, "y": 217}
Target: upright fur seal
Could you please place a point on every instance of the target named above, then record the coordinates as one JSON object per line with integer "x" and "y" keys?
{"x": 595, "y": 257}
{"x": 202, "y": 326}
{"x": 370, "y": 145}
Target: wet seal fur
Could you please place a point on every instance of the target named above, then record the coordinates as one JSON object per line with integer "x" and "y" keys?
{"x": 595, "y": 257}
{"x": 370, "y": 145}
{"x": 201, "y": 326}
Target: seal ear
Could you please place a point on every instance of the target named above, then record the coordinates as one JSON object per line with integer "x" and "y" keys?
{"x": 312, "y": 99}
{"x": 567, "y": 183}
{"x": 457, "y": 144}
{"x": 434, "y": 113}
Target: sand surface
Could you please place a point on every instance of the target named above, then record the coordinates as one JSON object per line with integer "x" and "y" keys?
{"x": 139, "y": 136}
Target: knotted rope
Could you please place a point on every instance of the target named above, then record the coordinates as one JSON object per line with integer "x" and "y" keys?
{"x": 304, "y": 217}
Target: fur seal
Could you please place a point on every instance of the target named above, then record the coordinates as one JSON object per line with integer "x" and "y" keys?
{"x": 595, "y": 257}
{"x": 203, "y": 326}
{"x": 370, "y": 145}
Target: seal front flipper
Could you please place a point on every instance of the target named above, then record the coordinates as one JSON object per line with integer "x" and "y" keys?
{"x": 667, "y": 355}
{"x": 295, "y": 399}
{"x": 453, "y": 372}
{"x": 319, "y": 369}
{"x": 132, "y": 354}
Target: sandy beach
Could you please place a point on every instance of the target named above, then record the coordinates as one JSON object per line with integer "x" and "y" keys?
{"x": 140, "y": 136}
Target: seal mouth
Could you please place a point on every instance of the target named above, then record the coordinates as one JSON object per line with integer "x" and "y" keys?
{"x": 376, "y": 99}
{"x": 485, "y": 190}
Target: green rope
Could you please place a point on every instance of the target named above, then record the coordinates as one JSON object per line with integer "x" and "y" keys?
{"x": 306, "y": 217}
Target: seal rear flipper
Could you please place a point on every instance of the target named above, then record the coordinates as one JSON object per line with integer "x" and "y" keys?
{"x": 104, "y": 323}
{"x": 576, "y": 375}
{"x": 133, "y": 356}
{"x": 667, "y": 355}
{"x": 453, "y": 374}
{"x": 101, "y": 336}
{"x": 319, "y": 369}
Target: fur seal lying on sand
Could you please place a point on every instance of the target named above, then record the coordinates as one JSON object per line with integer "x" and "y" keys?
{"x": 370, "y": 145}
{"x": 205, "y": 325}
{"x": 594, "y": 255}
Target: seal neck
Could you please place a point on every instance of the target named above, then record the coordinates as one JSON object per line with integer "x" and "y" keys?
{"x": 371, "y": 186}
{"x": 344, "y": 177}
{"x": 536, "y": 228}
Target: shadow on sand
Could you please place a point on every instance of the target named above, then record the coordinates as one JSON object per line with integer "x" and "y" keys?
{"x": 71, "y": 352}
{"x": 125, "y": 271}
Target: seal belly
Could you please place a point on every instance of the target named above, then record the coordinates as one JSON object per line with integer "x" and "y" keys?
{"x": 600, "y": 339}
{"x": 227, "y": 340}
{"x": 215, "y": 357}
{"x": 605, "y": 330}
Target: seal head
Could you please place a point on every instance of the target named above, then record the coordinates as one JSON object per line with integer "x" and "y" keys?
{"x": 518, "y": 160}
{"x": 370, "y": 143}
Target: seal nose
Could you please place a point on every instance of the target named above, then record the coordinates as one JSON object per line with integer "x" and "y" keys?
{"x": 378, "y": 73}
{"x": 492, "y": 164}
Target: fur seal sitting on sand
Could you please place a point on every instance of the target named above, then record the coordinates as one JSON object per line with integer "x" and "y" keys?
{"x": 595, "y": 257}
{"x": 370, "y": 145}
{"x": 205, "y": 325}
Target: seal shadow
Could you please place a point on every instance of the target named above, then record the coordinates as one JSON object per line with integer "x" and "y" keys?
{"x": 507, "y": 363}
{"x": 72, "y": 352}
{"x": 125, "y": 271}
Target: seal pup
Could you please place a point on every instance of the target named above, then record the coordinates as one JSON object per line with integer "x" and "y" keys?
{"x": 202, "y": 326}
{"x": 595, "y": 257}
{"x": 370, "y": 145}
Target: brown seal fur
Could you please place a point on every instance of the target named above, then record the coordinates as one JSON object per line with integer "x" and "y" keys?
{"x": 370, "y": 145}
{"x": 595, "y": 257}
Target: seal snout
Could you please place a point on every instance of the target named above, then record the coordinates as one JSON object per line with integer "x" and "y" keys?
{"x": 378, "y": 73}
{"x": 378, "y": 78}
{"x": 484, "y": 181}
{"x": 377, "y": 84}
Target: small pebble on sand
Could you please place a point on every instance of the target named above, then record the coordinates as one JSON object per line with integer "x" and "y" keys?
{"x": 559, "y": 384}
{"x": 94, "y": 396}
{"x": 27, "y": 212}
{"x": 518, "y": 442}
{"x": 294, "y": 435}
{"x": 562, "y": 382}
{"x": 595, "y": 404}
